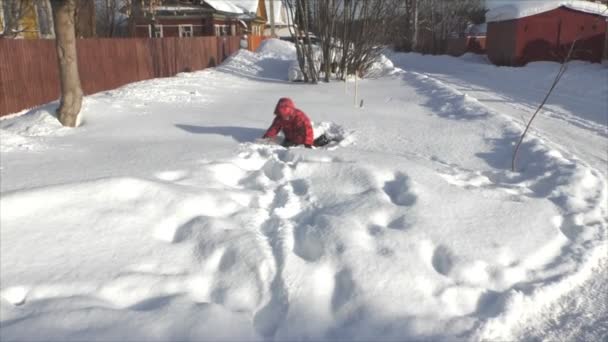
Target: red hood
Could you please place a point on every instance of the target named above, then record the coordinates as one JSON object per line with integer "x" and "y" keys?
{"x": 285, "y": 108}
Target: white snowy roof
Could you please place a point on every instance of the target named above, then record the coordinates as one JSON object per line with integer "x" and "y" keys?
{"x": 225, "y": 6}
{"x": 251, "y": 6}
{"x": 248, "y": 6}
{"x": 523, "y": 9}
{"x": 177, "y": 8}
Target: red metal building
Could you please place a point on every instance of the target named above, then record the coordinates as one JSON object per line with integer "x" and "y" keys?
{"x": 517, "y": 35}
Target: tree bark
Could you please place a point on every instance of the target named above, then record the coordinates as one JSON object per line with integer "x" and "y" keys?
{"x": 71, "y": 91}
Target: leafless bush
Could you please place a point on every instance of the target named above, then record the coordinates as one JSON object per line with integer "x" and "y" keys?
{"x": 351, "y": 34}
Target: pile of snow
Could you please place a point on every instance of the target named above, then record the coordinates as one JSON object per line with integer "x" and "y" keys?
{"x": 380, "y": 68}
{"x": 271, "y": 61}
{"x": 277, "y": 48}
{"x": 523, "y": 9}
{"x": 28, "y": 131}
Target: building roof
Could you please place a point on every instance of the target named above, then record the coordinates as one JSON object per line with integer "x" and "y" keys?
{"x": 250, "y": 7}
{"x": 225, "y": 6}
{"x": 181, "y": 8}
{"x": 523, "y": 9}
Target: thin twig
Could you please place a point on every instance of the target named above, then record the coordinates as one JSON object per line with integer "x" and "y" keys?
{"x": 559, "y": 75}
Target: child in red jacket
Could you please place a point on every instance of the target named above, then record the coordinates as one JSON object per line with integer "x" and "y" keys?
{"x": 294, "y": 123}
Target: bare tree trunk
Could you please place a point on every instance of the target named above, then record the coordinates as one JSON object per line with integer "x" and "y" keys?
{"x": 308, "y": 48}
{"x": 71, "y": 91}
{"x": 416, "y": 27}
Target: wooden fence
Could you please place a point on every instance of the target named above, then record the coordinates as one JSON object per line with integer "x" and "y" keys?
{"x": 29, "y": 75}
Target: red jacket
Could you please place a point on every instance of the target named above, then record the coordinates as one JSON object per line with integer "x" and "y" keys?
{"x": 294, "y": 123}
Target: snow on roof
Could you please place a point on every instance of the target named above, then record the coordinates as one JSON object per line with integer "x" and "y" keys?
{"x": 225, "y": 6}
{"x": 248, "y": 6}
{"x": 527, "y": 8}
{"x": 177, "y": 8}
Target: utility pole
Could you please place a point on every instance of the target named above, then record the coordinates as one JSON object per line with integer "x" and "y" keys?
{"x": 272, "y": 34}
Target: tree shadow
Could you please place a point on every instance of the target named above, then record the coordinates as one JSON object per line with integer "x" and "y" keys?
{"x": 240, "y": 134}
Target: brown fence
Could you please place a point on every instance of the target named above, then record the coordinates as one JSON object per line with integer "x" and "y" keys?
{"x": 29, "y": 76}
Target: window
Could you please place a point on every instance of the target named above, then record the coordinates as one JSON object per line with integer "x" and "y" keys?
{"x": 233, "y": 30}
{"x": 221, "y": 30}
{"x": 158, "y": 31}
{"x": 185, "y": 30}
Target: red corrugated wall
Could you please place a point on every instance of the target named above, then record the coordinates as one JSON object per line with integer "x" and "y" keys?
{"x": 547, "y": 37}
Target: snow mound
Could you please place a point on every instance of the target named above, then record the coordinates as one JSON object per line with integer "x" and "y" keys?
{"x": 277, "y": 48}
{"x": 39, "y": 122}
{"x": 24, "y": 131}
{"x": 380, "y": 68}
{"x": 271, "y": 62}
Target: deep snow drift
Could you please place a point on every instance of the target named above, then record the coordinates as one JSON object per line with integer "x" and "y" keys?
{"x": 161, "y": 218}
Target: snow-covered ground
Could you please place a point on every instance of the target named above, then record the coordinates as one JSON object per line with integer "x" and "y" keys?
{"x": 161, "y": 218}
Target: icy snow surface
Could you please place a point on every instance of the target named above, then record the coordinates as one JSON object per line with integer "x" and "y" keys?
{"x": 160, "y": 218}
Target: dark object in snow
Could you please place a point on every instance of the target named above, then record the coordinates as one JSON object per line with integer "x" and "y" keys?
{"x": 322, "y": 140}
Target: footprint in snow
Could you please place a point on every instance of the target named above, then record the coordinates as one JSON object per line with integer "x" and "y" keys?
{"x": 399, "y": 190}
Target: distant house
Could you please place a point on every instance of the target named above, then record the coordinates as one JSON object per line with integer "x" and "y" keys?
{"x": 526, "y": 32}
{"x": 190, "y": 18}
{"x": 175, "y": 19}
{"x": 255, "y": 15}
